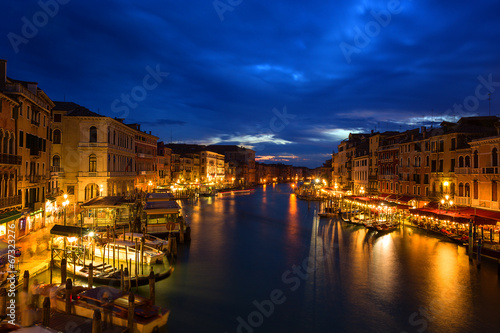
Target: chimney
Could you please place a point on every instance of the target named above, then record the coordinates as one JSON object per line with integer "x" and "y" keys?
{"x": 3, "y": 73}
{"x": 422, "y": 129}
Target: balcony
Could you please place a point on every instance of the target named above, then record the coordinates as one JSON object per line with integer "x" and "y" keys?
{"x": 56, "y": 169}
{"x": 10, "y": 159}
{"x": 10, "y": 201}
{"x": 492, "y": 170}
{"x": 34, "y": 179}
{"x": 16, "y": 87}
{"x": 35, "y": 152}
{"x": 34, "y": 122}
{"x": 142, "y": 155}
{"x": 146, "y": 173}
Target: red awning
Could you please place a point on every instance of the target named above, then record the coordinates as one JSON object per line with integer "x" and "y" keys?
{"x": 461, "y": 215}
{"x": 401, "y": 206}
{"x": 405, "y": 198}
{"x": 483, "y": 216}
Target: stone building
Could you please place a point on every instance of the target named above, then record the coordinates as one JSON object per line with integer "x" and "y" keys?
{"x": 92, "y": 155}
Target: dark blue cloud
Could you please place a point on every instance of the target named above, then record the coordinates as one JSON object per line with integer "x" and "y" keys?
{"x": 228, "y": 78}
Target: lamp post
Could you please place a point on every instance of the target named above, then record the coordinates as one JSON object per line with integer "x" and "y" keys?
{"x": 65, "y": 204}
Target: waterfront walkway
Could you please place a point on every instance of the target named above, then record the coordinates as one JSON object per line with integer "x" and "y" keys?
{"x": 35, "y": 252}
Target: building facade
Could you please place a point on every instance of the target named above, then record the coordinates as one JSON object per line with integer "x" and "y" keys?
{"x": 28, "y": 139}
{"x": 146, "y": 146}
{"x": 92, "y": 155}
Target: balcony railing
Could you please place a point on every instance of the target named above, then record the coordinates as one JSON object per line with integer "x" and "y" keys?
{"x": 492, "y": 170}
{"x": 19, "y": 88}
{"x": 146, "y": 172}
{"x": 476, "y": 171}
{"x": 10, "y": 201}
{"x": 34, "y": 178}
{"x": 10, "y": 159}
{"x": 56, "y": 169}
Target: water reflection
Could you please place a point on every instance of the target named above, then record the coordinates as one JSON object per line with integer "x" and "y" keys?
{"x": 358, "y": 281}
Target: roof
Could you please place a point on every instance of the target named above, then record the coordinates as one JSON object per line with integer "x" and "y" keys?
{"x": 68, "y": 230}
{"x": 75, "y": 110}
{"x": 162, "y": 207}
{"x": 107, "y": 202}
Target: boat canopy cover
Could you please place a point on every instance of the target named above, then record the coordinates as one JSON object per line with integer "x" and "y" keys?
{"x": 161, "y": 207}
{"x": 68, "y": 230}
{"x": 159, "y": 196}
{"x": 107, "y": 202}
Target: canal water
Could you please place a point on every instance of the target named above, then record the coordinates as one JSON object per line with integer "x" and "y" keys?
{"x": 265, "y": 262}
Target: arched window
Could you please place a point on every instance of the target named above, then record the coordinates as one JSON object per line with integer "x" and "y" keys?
{"x": 92, "y": 163}
{"x": 467, "y": 190}
{"x": 11, "y": 144}
{"x": 5, "y": 148}
{"x": 91, "y": 191}
{"x": 461, "y": 162}
{"x": 476, "y": 159}
{"x": 494, "y": 157}
{"x": 56, "y": 161}
{"x": 467, "y": 161}
{"x": 56, "y": 136}
{"x": 452, "y": 188}
{"x": 460, "y": 190}
{"x": 93, "y": 134}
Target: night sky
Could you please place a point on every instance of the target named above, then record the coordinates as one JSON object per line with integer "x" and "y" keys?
{"x": 289, "y": 79}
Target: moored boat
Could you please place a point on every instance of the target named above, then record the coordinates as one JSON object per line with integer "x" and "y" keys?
{"x": 106, "y": 274}
{"x": 124, "y": 250}
{"x": 147, "y": 317}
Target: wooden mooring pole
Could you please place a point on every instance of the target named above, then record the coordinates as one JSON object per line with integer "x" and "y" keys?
{"x": 46, "y": 312}
{"x": 152, "y": 286}
{"x": 131, "y": 309}
{"x": 91, "y": 275}
{"x": 97, "y": 322}
{"x": 26, "y": 280}
{"x": 69, "y": 291}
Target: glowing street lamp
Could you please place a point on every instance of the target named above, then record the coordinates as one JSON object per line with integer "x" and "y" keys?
{"x": 65, "y": 204}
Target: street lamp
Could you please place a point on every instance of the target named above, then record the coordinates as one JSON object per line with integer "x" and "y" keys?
{"x": 65, "y": 204}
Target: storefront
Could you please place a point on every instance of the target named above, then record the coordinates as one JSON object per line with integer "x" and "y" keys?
{"x": 5, "y": 218}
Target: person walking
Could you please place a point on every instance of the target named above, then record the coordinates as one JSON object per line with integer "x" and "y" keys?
{"x": 35, "y": 293}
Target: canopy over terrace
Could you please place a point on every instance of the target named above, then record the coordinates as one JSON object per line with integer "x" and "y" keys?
{"x": 158, "y": 212}
{"x": 459, "y": 214}
{"x": 104, "y": 211}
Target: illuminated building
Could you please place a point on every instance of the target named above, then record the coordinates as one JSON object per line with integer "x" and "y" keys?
{"x": 92, "y": 155}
